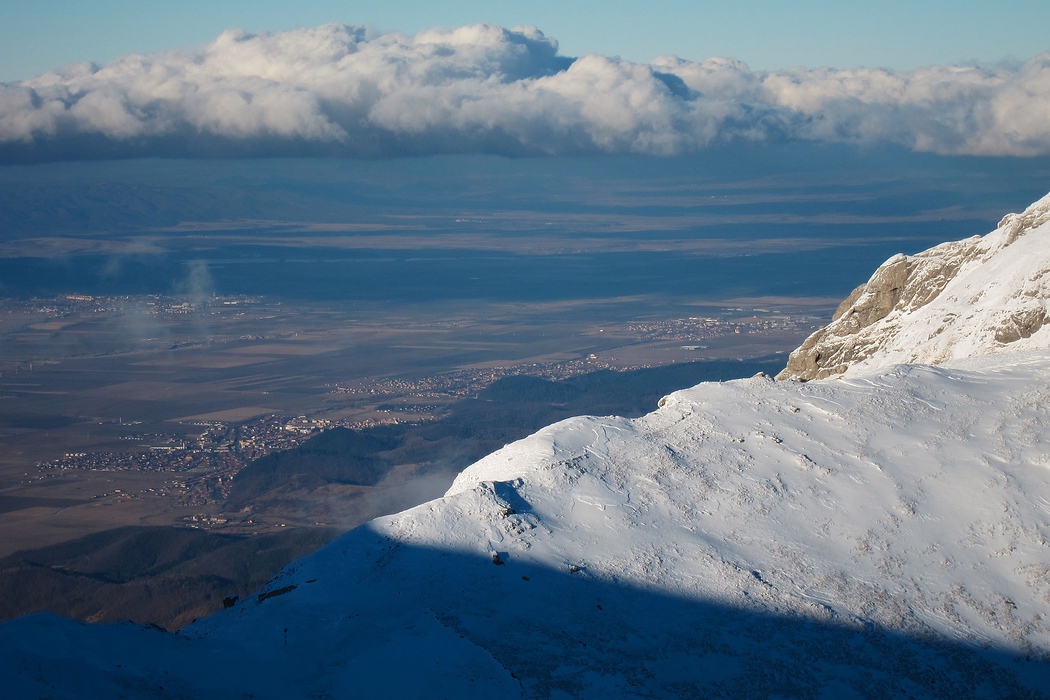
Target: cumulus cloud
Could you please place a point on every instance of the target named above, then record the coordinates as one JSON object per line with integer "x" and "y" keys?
{"x": 345, "y": 90}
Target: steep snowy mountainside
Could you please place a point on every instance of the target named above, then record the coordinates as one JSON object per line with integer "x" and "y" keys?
{"x": 882, "y": 535}
{"x": 961, "y": 299}
{"x": 878, "y": 498}
{"x": 912, "y": 499}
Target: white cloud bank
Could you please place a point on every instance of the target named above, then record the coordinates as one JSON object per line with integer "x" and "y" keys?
{"x": 345, "y": 90}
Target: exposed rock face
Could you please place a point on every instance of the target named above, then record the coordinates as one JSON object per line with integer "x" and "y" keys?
{"x": 955, "y": 300}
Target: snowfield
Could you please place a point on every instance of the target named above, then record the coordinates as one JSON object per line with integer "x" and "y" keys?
{"x": 881, "y": 534}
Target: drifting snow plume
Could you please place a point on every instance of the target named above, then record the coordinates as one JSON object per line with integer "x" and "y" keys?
{"x": 956, "y": 300}
{"x": 341, "y": 89}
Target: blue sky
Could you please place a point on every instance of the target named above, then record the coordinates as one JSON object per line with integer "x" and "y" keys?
{"x": 36, "y": 35}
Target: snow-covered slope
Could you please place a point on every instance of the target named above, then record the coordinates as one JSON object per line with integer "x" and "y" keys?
{"x": 882, "y": 534}
{"x": 960, "y": 299}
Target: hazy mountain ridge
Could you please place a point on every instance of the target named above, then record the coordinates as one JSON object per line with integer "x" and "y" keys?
{"x": 959, "y": 299}
{"x": 881, "y": 534}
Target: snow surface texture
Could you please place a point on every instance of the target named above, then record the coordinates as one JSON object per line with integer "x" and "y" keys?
{"x": 956, "y": 300}
{"x": 882, "y": 534}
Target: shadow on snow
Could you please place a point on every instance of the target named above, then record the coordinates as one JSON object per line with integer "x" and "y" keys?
{"x": 387, "y": 619}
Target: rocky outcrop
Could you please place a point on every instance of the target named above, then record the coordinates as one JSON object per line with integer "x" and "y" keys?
{"x": 958, "y": 299}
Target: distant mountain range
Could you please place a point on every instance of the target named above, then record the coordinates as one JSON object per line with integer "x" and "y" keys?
{"x": 884, "y": 532}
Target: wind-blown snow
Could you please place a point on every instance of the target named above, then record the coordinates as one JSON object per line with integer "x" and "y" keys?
{"x": 881, "y": 534}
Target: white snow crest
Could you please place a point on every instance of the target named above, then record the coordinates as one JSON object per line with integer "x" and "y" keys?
{"x": 978, "y": 296}
{"x": 877, "y": 498}
{"x": 910, "y": 499}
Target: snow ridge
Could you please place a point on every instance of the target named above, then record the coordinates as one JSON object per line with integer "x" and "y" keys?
{"x": 961, "y": 299}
